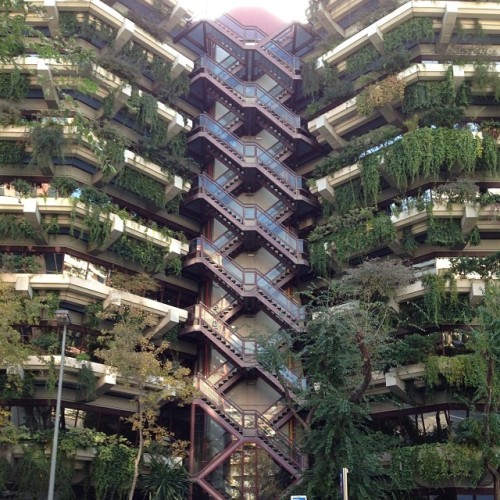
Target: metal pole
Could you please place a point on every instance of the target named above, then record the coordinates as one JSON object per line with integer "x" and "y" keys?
{"x": 345, "y": 493}
{"x": 53, "y": 457}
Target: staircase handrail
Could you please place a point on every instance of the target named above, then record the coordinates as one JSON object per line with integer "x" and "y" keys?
{"x": 249, "y": 278}
{"x": 270, "y": 47}
{"x": 247, "y": 347}
{"x": 250, "y": 150}
{"x": 248, "y": 90}
{"x": 245, "y": 213}
{"x": 231, "y": 23}
{"x": 249, "y": 419}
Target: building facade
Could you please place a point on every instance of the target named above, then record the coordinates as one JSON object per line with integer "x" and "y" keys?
{"x": 151, "y": 143}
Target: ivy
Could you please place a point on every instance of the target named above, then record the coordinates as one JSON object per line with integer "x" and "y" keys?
{"x": 437, "y": 462}
{"x": 444, "y": 232}
{"x": 142, "y": 185}
{"x": 379, "y": 94}
{"x": 356, "y": 148}
{"x": 14, "y": 85}
{"x": 355, "y": 232}
{"x": 362, "y": 59}
{"x": 86, "y": 383}
{"x": 149, "y": 256}
{"x": 460, "y": 372}
{"x": 85, "y": 26}
{"x": 113, "y": 471}
{"x": 15, "y": 228}
{"x": 417, "y": 29}
{"x": 370, "y": 178}
{"x": 425, "y": 151}
{"x": 47, "y": 142}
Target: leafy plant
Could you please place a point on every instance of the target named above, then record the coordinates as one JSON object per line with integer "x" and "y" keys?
{"x": 86, "y": 383}
{"x": 22, "y": 187}
{"x": 65, "y": 186}
{"x": 14, "y": 85}
{"x": 149, "y": 256}
{"x": 113, "y": 470}
{"x": 165, "y": 481}
{"x": 47, "y": 142}
{"x": 142, "y": 185}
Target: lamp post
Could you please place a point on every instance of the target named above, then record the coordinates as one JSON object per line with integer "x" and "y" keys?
{"x": 62, "y": 317}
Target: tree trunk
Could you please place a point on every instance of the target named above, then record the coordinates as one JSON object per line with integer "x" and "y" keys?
{"x": 495, "y": 473}
{"x": 137, "y": 460}
{"x": 356, "y": 396}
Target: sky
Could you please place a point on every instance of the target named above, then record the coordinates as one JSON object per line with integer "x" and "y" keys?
{"x": 288, "y": 10}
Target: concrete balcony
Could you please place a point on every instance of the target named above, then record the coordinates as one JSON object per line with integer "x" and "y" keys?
{"x": 344, "y": 119}
{"x": 112, "y": 389}
{"x": 127, "y": 30}
{"x": 54, "y": 74}
{"x": 444, "y": 13}
{"x": 78, "y": 146}
{"x": 83, "y": 292}
{"x": 71, "y": 214}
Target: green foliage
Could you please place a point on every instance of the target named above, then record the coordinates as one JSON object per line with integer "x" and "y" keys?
{"x": 435, "y": 463}
{"x": 165, "y": 481}
{"x": 142, "y": 185}
{"x": 15, "y": 227}
{"x": 16, "y": 263}
{"x": 73, "y": 23}
{"x": 33, "y": 473}
{"x": 348, "y": 197}
{"x": 410, "y": 349}
{"x": 370, "y": 178}
{"x": 356, "y": 148}
{"x": 86, "y": 383}
{"x": 47, "y": 142}
{"x": 425, "y": 95}
{"x": 113, "y": 471}
{"x": 174, "y": 267}
{"x": 425, "y": 151}
{"x": 15, "y": 387}
{"x": 22, "y": 187}
{"x": 362, "y": 59}
{"x": 92, "y": 196}
{"x": 486, "y": 267}
{"x": 11, "y": 153}
{"x": 416, "y": 29}
{"x": 460, "y": 372}
{"x": 357, "y": 231}
{"x": 149, "y": 256}
{"x": 65, "y": 186}
{"x": 444, "y": 232}
{"x": 13, "y": 85}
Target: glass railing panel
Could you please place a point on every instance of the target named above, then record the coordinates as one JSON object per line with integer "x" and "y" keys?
{"x": 275, "y": 272}
{"x": 224, "y": 239}
{"x": 227, "y": 176}
{"x": 282, "y": 54}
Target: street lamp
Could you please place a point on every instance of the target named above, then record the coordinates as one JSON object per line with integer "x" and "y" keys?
{"x": 62, "y": 317}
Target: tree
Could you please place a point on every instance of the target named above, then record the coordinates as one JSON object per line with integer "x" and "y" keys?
{"x": 17, "y": 311}
{"x": 344, "y": 343}
{"x": 484, "y": 433}
{"x": 141, "y": 359}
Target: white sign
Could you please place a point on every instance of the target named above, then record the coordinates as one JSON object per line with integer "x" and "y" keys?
{"x": 298, "y": 497}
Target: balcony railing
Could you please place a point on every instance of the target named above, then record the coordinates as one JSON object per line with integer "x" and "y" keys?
{"x": 251, "y": 215}
{"x": 253, "y": 34}
{"x": 247, "y": 151}
{"x": 248, "y": 280}
{"x": 245, "y": 90}
{"x": 250, "y": 420}
{"x": 245, "y": 348}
